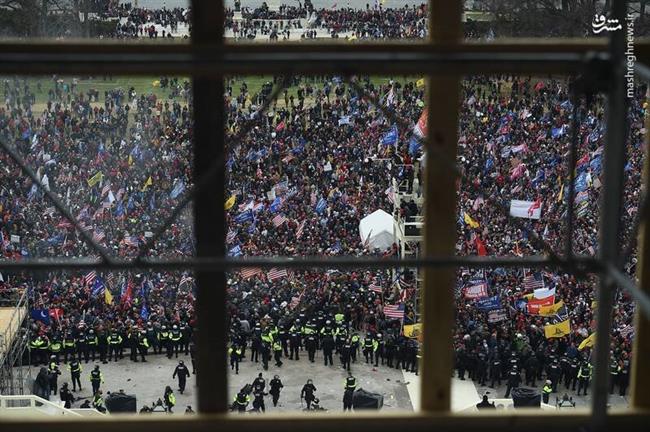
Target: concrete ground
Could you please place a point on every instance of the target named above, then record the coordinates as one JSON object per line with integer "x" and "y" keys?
{"x": 329, "y": 381}
{"x": 581, "y": 401}
{"x": 147, "y": 382}
{"x": 400, "y": 389}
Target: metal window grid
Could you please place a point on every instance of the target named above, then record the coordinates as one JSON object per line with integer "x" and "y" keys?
{"x": 208, "y": 59}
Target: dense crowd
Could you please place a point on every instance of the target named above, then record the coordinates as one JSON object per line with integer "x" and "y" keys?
{"x": 303, "y": 178}
{"x": 299, "y": 181}
{"x": 514, "y": 144}
{"x": 377, "y": 22}
{"x": 136, "y": 22}
{"x": 120, "y": 166}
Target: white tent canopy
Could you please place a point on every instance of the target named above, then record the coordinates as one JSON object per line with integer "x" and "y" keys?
{"x": 376, "y": 230}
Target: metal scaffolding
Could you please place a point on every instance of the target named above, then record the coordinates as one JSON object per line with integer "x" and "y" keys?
{"x": 13, "y": 346}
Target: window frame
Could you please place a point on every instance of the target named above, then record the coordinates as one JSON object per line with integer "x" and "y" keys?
{"x": 444, "y": 58}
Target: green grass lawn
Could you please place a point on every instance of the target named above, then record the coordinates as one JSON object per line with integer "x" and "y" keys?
{"x": 144, "y": 85}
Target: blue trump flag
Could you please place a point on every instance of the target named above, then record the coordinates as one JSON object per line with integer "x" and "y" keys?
{"x": 178, "y": 189}
{"x": 558, "y": 132}
{"x": 244, "y": 217}
{"x": 414, "y": 145}
{"x": 56, "y": 240}
{"x": 119, "y": 211}
{"x": 581, "y": 182}
{"x": 488, "y": 304}
{"x": 320, "y": 206}
{"x": 42, "y": 315}
{"x": 98, "y": 286}
{"x": 390, "y": 138}
{"x": 235, "y": 252}
{"x": 144, "y": 312}
{"x": 276, "y": 204}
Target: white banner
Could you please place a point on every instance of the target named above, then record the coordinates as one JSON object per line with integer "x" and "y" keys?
{"x": 525, "y": 209}
{"x": 542, "y": 293}
{"x": 497, "y": 315}
{"x": 476, "y": 291}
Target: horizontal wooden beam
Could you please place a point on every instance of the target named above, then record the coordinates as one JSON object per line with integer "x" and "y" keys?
{"x": 497, "y": 421}
{"x": 562, "y": 56}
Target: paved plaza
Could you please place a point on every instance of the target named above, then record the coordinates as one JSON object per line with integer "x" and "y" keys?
{"x": 401, "y": 390}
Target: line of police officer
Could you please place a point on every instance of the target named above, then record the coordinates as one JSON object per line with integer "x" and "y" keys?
{"x": 87, "y": 345}
{"x": 332, "y": 336}
{"x": 492, "y": 364}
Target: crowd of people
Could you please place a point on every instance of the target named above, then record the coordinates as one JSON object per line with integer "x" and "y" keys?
{"x": 373, "y": 22}
{"x": 134, "y": 22}
{"x": 514, "y": 144}
{"x": 308, "y": 169}
{"x": 120, "y": 166}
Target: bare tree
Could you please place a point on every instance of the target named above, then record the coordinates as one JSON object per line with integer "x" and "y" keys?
{"x": 541, "y": 18}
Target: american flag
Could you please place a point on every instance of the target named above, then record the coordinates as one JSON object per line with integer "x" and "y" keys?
{"x": 295, "y": 301}
{"x": 184, "y": 279}
{"x": 627, "y": 331}
{"x": 99, "y": 235}
{"x": 131, "y": 241}
{"x": 246, "y": 206}
{"x": 83, "y": 213}
{"x": 279, "y": 220}
{"x": 258, "y": 206}
{"x": 110, "y": 279}
{"x": 313, "y": 198}
{"x": 406, "y": 294}
{"x": 394, "y": 311}
{"x": 105, "y": 189}
{"x": 64, "y": 224}
{"x": 390, "y": 193}
{"x": 375, "y": 288}
{"x": 533, "y": 280}
{"x": 231, "y": 236}
{"x": 403, "y": 283}
{"x": 90, "y": 277}
{"x": 274, "y": 274}
{"x": 249, "y": 272}
{"x": 281, "y": 187}
{"x": 301, "y": 228}
{"x": 287, "y": 158}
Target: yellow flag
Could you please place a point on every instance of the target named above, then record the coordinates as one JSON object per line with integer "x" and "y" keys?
{"x": 148, "y": 183}
{"x": 557, "y": 330}
{"x": 561, "y": 194}
{"x": 588, "y": 343}
{"x": 594, "y": 304}
{"x": 130, "y": 160}
{"x": 108, "y": 297}
{"x": 420, "y": 83}
{"x": 231, "y": 202}
{"x": 95, "y": 179}
{"x": 469, "y": 221}
{"x": 413, "y": 330}
{"x": 551, "y": 310}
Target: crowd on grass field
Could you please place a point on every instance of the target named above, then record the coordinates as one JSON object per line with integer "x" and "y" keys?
{"x": 301, "y": 174}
